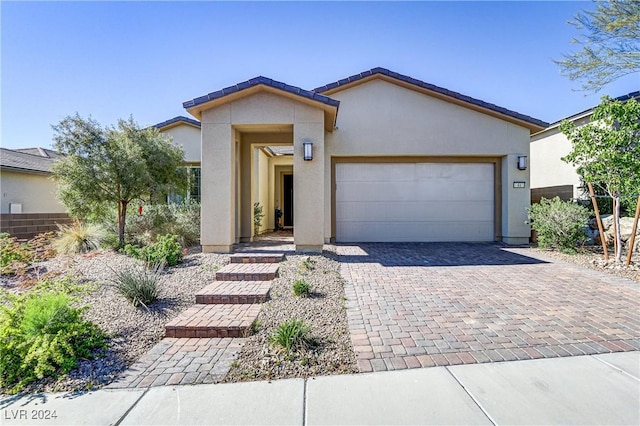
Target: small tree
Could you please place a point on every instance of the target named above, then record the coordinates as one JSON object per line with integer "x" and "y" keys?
{"x": 606, "y": 152}
{"x": 610, "y": 44}
{"x": 113, "y": 166}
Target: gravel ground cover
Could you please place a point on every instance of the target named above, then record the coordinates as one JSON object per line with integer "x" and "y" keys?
{"x": 592, "y": 257}
{"x": 325, "y": 313}
{"x": 134, "y": 331}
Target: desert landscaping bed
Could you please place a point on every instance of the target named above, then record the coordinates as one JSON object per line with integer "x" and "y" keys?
{"x": 325, "y": 313}
{"x": 134, "y": 331}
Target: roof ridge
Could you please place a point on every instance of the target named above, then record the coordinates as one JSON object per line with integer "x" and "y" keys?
{"x": 309, "y": 94}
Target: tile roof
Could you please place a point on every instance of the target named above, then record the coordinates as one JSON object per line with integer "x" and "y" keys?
{"x": 178, "y": 119}
{"x": 43, "y": 152}
{"x": 631, "y": 95}
{"x": 437, "y": 89}
{"x": 309, "y": 94}
{"x": 24, "y": 161}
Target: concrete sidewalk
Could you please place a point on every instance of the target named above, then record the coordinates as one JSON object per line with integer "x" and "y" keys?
{"x": 597, "y": 389}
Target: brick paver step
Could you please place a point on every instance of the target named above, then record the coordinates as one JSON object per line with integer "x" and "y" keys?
{"x": 234, "y": 292}
{"x": 257, "y": 257}
{"x": 247, "y": 272}
{"x": 228, "y": 320}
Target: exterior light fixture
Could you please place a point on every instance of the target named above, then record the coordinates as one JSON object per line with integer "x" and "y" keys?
{"x": 308, "y": 150}
{"x": 522, "y": 162}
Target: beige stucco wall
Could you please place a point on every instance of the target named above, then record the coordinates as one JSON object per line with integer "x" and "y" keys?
{"x": 379, "y": 118}
{"x": 36, "y": 192}
{"x": 262, "y": 186}
{"x": 188, "y": 137}
{"x": 220, "y": 129}
{"x": 547, "y": 167}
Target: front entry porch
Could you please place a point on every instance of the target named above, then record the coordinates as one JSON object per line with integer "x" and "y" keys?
{"x": 252, "y": 158}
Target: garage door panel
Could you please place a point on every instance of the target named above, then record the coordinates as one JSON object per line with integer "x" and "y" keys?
{"x": 413, "y": 231}
{"x": 414, "y": 202}
{"x": 415, "y": 190}
{"x": 411, "y": 211}
{"x": 368, "y": 172}
{"x": 363, "y": 191}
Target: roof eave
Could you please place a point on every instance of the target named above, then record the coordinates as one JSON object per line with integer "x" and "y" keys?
{"x": 534, "y": 125}
{"x": 24, "y": 170}
{"x": 330, "y": 110}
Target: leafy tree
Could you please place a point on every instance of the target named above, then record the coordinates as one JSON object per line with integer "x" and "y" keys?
{"x": 610, "y": 44}
{"x": 606, "y": 151}
{"x": 113, "y": 165}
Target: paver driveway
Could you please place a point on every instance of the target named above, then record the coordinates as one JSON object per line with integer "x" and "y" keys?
{"x": 425, "y": 304}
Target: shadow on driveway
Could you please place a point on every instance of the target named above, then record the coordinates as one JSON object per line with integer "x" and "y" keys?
{"x": 432, "y": 254}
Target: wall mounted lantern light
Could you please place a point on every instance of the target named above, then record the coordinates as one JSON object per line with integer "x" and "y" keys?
{"x": 308, "y": 150}
{"x": 522, "y": 162}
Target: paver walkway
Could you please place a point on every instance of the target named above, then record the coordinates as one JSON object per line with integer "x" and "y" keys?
{"x": 202, "y": 342}
{"x": 425, "y": 304}
{"x": 175, "y": 361}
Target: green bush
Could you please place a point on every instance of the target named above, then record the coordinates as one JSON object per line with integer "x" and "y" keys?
{"x": 42, "y": 335}
{"x": 301, "y": 288}
{"x": 182, "y": 220}
{"x": 139, "y": 285}
{"x": 166, "y": 250}
{"x": 258, "y": 214}
{"x": 78, "y": 238}
{"x": 291, "y": 335}
{"x": 559, "y": 224}
{"x": 12, "y": 254}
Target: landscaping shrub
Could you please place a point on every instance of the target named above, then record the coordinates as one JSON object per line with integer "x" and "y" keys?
{"x": 258, "y": 214}
{"x": 12, "y": 254}
{"x": 559, "y": 224}
{"x": 42, "y": 335}
{"x": 182, "y": 220}
{"x": 292, "y": 335}
{"x": 42, "y": 246}
{"x": 166, "y": 250}
{"x": 139, "y": 285}
{"x": 301, "y": 288}
{"x": 78, "y": 238}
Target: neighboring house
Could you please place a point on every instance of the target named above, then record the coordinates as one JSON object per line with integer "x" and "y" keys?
{"x": 550, "y": 176}
{"x": 378, "y": 157}
{"x": 29, "y": 204}
{"x": 185, "y": 132}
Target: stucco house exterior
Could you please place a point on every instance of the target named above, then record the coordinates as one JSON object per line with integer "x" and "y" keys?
{"x": 26, "y": 181}
{"x": 185, "y": 132}
{"x": 29, "y": 205}
{"x": 375, "y": 157}
{"x": 550, "y": 176}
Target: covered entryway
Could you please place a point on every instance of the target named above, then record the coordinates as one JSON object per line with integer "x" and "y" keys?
{"x": 241, "y": 127}
{"x": 415, "y": 201}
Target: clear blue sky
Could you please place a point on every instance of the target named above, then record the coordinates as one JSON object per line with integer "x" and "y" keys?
{"x": 115, "y": 59}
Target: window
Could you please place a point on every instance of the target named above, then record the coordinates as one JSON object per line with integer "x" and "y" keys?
{"x": 193, "y": 185}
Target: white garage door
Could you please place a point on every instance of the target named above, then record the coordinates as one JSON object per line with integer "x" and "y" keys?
{"x": 387, "y": 202}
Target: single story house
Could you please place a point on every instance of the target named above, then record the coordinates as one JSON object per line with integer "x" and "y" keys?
{"x": 27, "y": 186}
{"x": 375, "y": 157}
{"x": 29, "y": 204}
{"x": 550, "y": 176}
{"x": 185, "y": 132}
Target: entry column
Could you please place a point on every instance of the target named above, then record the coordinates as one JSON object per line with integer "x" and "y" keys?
{"x": 308, "y": 186}
{"x": 218, "y": 184}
